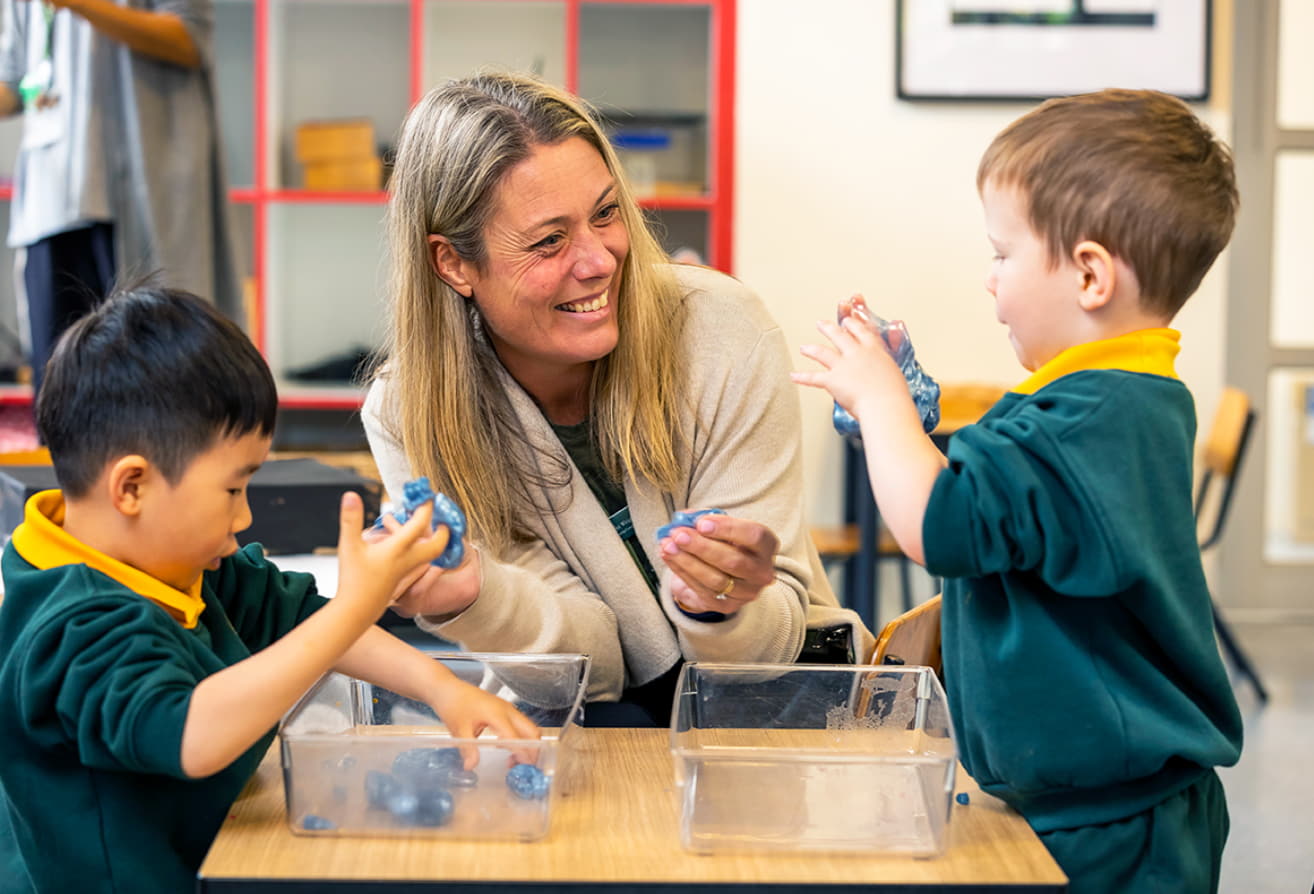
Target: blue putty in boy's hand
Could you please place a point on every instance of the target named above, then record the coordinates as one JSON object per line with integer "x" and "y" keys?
{"x": 924, "y": 390}
{"x": 445, "y": 512}
{"x": 684, "y": 520}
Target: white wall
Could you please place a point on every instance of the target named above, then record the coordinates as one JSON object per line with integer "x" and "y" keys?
{"x": 841, "y": 187}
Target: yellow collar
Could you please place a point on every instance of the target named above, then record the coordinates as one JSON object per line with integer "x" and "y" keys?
{"x": 1144, "y": 351}
{"x": 43, "y": 542}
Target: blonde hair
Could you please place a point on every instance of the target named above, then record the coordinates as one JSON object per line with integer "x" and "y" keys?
{"x": 449, "y": 410}
{"x": 1134, "y": 170}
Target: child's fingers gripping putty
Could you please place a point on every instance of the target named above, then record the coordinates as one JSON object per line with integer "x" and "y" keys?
{"x": 924, "y": 390}
{"x": 445, "y": 512}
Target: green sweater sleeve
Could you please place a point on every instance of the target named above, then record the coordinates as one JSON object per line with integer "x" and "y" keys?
{"x": 113, "y": 675}
{"x": 262, "y": 602}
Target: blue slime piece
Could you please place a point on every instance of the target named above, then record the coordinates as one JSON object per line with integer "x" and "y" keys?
{"x": 684, "y": 520}
{"x": 445, "y": 512}
{"x": 430, "y": 768}
{"x": 527, "y": 781}
{"x": 924, "y": 390}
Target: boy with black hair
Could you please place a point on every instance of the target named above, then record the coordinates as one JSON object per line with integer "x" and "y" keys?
{"x": 144, "y": 658}
{"x": 1085, "y": 684}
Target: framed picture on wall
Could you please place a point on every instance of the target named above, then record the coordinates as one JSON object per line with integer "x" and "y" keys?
{"x": 1035, "y": 49}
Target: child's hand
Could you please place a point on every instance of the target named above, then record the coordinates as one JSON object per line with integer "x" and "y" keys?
{"x": 858, "y": 370}
{"x": 468, "y": 710}
{"x": 372, "y": 570}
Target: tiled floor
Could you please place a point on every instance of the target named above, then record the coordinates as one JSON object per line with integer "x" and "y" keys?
{"x": 1270, "y": 792}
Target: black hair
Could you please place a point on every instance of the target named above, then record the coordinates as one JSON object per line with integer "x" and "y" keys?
{"x": 151, "y": 371}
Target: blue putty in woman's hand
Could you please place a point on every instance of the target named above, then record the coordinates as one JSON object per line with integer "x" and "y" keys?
{"x": 684, "y": 520}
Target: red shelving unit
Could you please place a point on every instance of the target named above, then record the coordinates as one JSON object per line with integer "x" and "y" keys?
{"x": 311, "y": 257}
{"x": 272, "y": 193}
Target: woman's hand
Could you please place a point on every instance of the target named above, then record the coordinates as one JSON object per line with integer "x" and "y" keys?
{"x": 438, "y": 591}
{"x": 721, "y": 564}
{"x": 430, "y": 590}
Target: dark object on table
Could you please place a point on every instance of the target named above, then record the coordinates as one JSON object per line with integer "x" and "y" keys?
{"x": 348, "y": 366}
{"x": 294, "y": 502}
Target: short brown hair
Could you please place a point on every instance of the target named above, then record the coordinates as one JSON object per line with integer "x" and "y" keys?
{"x": 1134, "y": 170}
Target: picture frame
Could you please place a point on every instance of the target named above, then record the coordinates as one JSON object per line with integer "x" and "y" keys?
{"x": 1029, "y": 50}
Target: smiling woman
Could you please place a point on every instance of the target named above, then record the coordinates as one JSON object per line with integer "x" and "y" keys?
{"x": 549, "y": 369}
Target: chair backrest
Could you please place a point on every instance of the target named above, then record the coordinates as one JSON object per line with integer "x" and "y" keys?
{"x": 1224, "y": 450}
{"x": 911, "y": 638}
{"x": 962, "y": 403}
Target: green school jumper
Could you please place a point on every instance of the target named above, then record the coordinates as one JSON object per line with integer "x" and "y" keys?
{"x": 97, "y": 666}
{"x": 1085, "y": 684}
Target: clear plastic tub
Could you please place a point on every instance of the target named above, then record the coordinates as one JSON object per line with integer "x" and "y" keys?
{"x": 362, "y": 760}
{"x": 813, "y": 757}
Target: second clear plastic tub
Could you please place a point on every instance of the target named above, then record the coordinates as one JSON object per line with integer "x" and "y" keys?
{"x": 813, "y": 757}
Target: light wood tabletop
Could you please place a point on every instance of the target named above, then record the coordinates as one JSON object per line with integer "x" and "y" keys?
{"x": 615, "y": 827}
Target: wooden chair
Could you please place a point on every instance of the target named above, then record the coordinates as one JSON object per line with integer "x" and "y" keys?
{"x": 913, "y": 638}
{"x": 1224, "y": 450}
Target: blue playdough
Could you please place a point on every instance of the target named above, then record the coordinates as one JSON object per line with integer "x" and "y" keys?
{"x": 433, "y": 768}
{"x": 315, "y": 823}
{"x": 445, "y": 512}
{"x": 962, "y": 798}
{"x": 924, "y": 390}
{"x": 379, "y": 788}
{"x": 684, "y": 520}
{"x": 419, "y": 795}
{"x": 527, "y": 781}
{"x": 422, "y": 760}
{"x": 421, "y": 807}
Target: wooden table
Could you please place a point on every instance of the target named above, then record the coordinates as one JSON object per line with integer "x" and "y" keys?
{"x": 615, "y": 828}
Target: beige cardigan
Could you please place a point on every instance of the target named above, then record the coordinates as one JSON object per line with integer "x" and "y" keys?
{"x": 576, "y": 589}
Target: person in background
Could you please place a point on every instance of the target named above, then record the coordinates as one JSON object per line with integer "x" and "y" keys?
{"x": 118, "y": 171}
{"x": 1084, "y": 680}
{"x": 145, "y": 659}
{"x": 551, "y": 371}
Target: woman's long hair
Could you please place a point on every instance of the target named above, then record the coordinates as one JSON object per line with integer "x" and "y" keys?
{"x": 448, "y": 408}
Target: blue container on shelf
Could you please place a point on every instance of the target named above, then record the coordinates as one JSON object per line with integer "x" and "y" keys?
{"x": 638, "y": 149}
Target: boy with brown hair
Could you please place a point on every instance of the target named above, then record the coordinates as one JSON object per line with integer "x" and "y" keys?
{"x": 1084, "y": 679}
{"x": 144, "y": 658}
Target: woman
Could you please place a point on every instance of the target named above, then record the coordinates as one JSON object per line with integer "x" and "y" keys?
{"x": 549, "y": 370}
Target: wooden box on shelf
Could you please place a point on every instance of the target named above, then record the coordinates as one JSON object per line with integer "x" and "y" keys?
{"x": 337, "y": 139}
{"x": 357, "y": 175}
{"x": 339, "y": 155}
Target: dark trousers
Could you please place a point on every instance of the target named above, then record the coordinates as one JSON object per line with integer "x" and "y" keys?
{"x": 1173, "y": 848}
{"x": 65, "y": 276}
